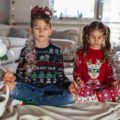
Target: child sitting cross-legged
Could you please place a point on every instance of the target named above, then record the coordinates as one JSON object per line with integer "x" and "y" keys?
{"x": 40, "y": 77}
{"x": 93, "y": 74}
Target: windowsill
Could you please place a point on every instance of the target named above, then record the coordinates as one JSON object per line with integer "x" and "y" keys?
{"x": 82, "y": 20}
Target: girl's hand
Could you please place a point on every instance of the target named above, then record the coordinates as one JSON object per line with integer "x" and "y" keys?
{"x": 72, "y": 88}
{"x": 116, "y": 83}
{"x": 76, "y": 85}
{"x": 9, "y": 77}
{"x": 79, "y": 83}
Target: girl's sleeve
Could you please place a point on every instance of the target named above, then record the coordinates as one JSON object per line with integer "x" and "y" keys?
{"x": 77, "y": 71}
{"x": 20, "y": 71}
{"x": 109, "y": 77}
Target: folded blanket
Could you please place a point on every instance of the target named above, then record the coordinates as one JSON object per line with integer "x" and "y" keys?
{"x": 86, "y": 111}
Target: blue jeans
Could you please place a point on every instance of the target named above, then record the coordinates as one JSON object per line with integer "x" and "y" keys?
{"x": 49, "y": 95}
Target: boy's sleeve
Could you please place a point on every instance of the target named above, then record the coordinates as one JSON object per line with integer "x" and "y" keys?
{"x": 20, "y": 71}
{"x": 60, "y": 71}
{"x": 109, "y": 76}
{"x": 77, "y": 71}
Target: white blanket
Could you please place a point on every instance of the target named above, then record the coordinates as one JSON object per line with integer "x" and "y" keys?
{"x": 77, "y": 111}
{"x": 86, "y": 111}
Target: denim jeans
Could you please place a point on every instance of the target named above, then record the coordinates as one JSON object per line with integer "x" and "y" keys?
{"x": 49, "y": 95}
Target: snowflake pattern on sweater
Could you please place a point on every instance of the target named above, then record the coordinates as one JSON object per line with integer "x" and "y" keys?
{"x": 97, "y": 76}
{"x": 49, "y": 68}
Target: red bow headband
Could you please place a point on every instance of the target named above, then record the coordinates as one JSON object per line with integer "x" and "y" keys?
{"x": 41, "y": 10}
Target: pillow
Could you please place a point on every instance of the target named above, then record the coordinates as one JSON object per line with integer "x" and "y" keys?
{"x": 12, "y": 67}
{"x": 14, "y": 45}
{"x": 60, "y": 34}
{"x": 17, "y": 42}
{"x": 71, "y": 34}
{"x": 67, "y": 46}
{"x": 13, "y": 55}
{"x": 14, "y": 41}
{"x": 18, "y": 32}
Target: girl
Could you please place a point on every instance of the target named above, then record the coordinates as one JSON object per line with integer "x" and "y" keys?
{"x": 92, "y": 72}
{"x": 40, "y": 77}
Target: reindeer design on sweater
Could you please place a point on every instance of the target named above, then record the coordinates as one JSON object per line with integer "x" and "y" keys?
{"x": 93, "y": 69}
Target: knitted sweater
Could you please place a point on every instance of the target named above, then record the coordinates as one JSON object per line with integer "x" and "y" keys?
{"x": 91, "y": 68}
{"x": 49, "y": 67}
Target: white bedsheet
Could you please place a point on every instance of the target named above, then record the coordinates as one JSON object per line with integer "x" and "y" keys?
{"x": 12, "y": 110}
{"x": 86, "y": 111}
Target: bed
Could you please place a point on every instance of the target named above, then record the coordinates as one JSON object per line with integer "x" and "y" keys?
{"x": 14, "y": 110}
{"x": 75, "y": 111}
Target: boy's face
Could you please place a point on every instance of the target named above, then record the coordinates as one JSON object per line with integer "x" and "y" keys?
{"x": 41, "y": 31}
{"x": 96, "y": 38}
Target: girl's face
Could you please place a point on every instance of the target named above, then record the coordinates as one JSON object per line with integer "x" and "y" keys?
{"x": 41, "y": 31}
{"x": 96, "y": 39}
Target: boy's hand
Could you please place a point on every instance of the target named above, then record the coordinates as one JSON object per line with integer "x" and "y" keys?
{"x": 9, "y": 77}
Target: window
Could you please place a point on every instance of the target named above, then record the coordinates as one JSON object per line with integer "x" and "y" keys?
{"x": 74, "y": 8}
{"x": 111, "y": 16}
{"x": 111, "y": 11}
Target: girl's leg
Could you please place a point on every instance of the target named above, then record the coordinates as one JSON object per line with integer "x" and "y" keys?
{"x": 86, "y": 94}
{"x": 117, "y": 89}
{"x": 109, "y": 94}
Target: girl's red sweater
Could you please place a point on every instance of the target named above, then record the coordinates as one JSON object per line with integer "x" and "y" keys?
{"x": 92, "y": 67}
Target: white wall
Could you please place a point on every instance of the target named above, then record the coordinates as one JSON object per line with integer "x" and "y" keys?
{"x": 4, "y": 11}
{"x": 22, "y": 9}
